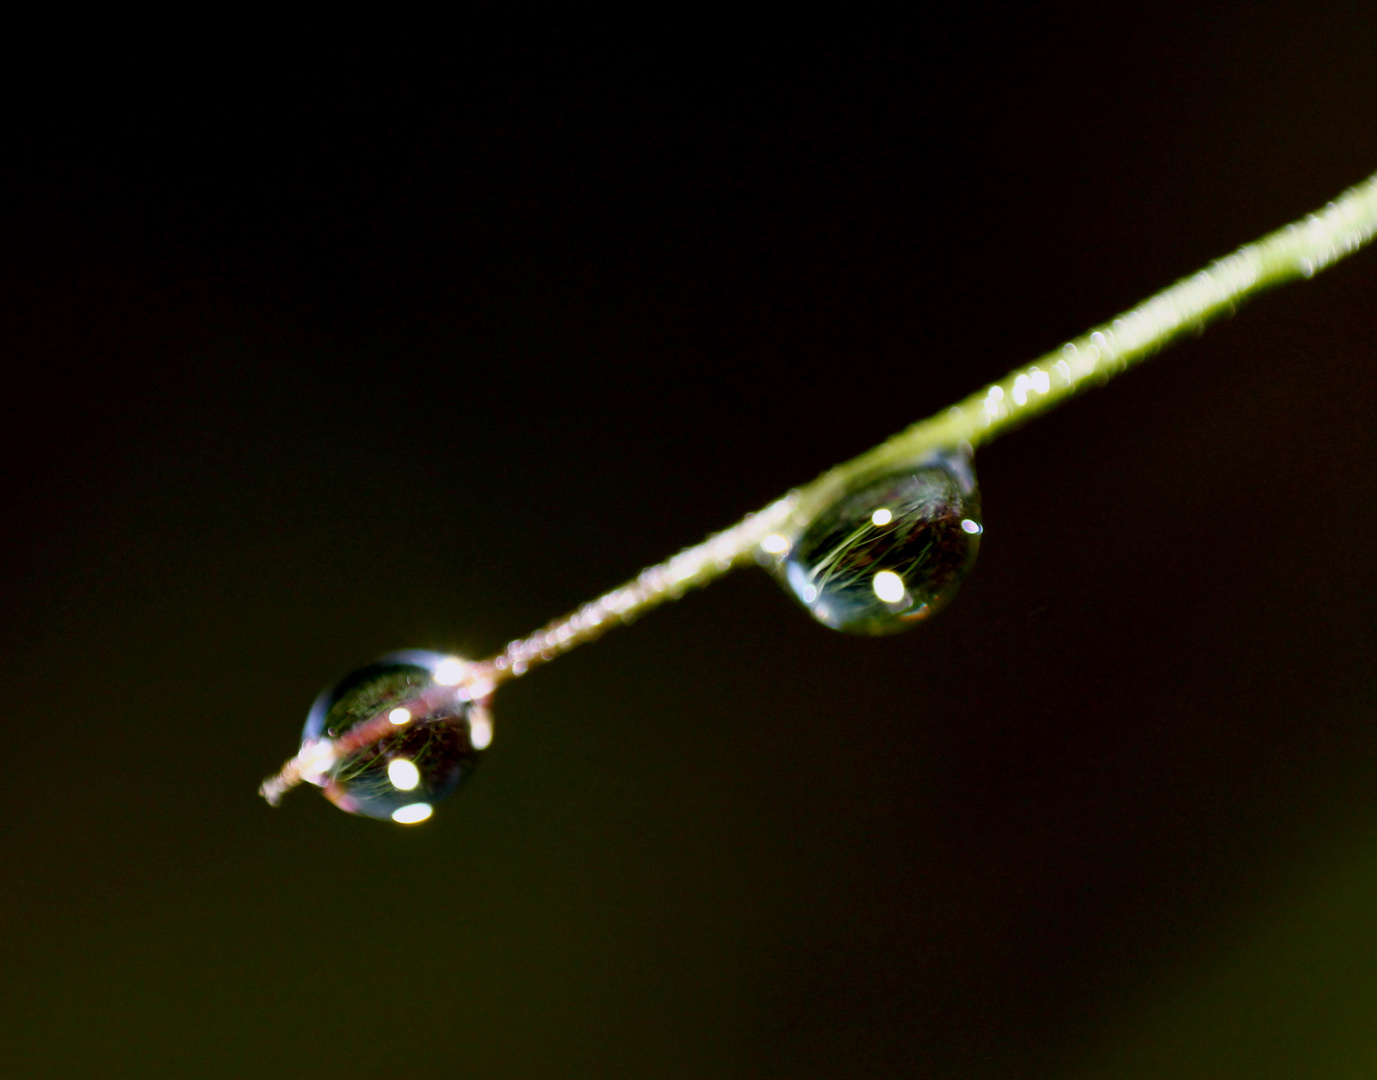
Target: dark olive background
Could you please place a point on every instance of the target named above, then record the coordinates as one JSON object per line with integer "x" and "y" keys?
{"x": 316, "y": 349}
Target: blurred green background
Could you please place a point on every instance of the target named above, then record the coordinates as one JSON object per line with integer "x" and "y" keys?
{"x": 321, "y": 348}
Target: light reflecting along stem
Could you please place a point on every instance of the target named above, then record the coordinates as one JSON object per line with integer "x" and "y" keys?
{"x": 1299, "y": 250}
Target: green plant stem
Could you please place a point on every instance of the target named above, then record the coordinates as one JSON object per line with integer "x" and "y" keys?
{"x": 1299, "y": 250}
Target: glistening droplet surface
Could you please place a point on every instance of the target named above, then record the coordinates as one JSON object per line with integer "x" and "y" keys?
{"x": 424, "y": 745}
{"x": 890, "y": 550}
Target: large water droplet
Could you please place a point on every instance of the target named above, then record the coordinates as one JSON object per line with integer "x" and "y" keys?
{"x": 426, "y": 746}
{"x": 891, "y": 549}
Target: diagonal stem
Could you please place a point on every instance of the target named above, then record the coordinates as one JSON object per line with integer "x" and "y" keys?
{"x": 1299, "y": 250}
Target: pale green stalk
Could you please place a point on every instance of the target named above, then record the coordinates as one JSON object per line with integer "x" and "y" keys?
{"x": 1298, "y": 250}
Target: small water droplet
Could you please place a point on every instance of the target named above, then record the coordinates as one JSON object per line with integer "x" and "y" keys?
{"x": 428, "y": 741}
{"x": 891, "y": 550}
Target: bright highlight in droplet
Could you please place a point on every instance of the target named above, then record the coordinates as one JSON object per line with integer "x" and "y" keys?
{"x": 403, "y": 774}
{"x": 888, "y": 586}
{"x": 450, "y": 671}
{"x": 316, "y": 759}
{"x": 881, "y": 517}
{"x": 480, "y": 732}
{"x": 774, "y": 544}
{"x": 972, "y": 527}
{"x": 411, "y": 813}
{"x": 400, "y": 716}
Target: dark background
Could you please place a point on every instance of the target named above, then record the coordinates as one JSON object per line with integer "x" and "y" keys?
{"x": 316, "y": 349}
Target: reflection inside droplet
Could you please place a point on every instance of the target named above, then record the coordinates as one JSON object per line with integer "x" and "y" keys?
{"x": 393, "y": 739}
{"x": 403, "y": 774}
{"x": 888, "y": 586}
{"x": 891, "y": 549}
{"x": 480, "y": 729}
{"x": 412, "y": 813}
{"x": 450, "y": 670}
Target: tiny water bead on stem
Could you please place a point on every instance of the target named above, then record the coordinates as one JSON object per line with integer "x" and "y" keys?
{"x": 872, "y": 546}
{"x": 391, "y": 738}
{"x": 889, "y": 551}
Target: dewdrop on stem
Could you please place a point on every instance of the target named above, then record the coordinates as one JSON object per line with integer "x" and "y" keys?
{"x": 889, "y": 550}
{"x": 391, "y": 739}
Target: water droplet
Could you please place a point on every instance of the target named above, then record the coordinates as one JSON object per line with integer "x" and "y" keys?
{"x": 891, "y": 550}
{"x": 428, "y": 736}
